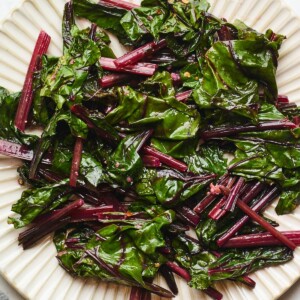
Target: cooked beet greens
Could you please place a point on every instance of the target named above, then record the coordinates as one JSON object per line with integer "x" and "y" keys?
{"x": 134, "y": 151}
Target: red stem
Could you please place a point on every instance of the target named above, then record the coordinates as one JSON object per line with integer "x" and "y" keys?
{"x": 218, "y": 212}
{"x": 166, "y": 159}
{"x": 151, "y": 161}
{"x": 224, "y": 33}
{"x": 83, "y": 114}
{"x": 248, "y": 281}
{"x": 233, "y": 196}
{"x": 26, "y": 98}
{"x": 58, "y": 214}
{"x": 253, "y": 192}
{"x": 140, "y": 53}
{"x": 76, "y": 161}
{"x": 121, "y": 4}
{"x": 270, "y": 196}
{"x": 205, "y": 202}
{"x": 213, "y": 293}
{"x": 179, "y": 271}
{"x": 296, "y": 120}
{"x": 89, "y": 214}
{"x": 188, "y": 215}
{"x": 257, "y": 218}
{"x": 261, "y": 240}
{"x": 283, "y": 99}
{"x": 227, "y": 131}
{"x": 145, "y": 69}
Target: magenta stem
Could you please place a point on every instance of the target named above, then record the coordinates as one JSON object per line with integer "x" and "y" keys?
{"x": 296, "y": 120}
{"x": 140, "y": 53}
{"x": 26, "y": 98}
{"x": 264, "y": 239}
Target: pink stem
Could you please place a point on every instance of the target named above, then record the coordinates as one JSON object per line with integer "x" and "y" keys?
{"x": 26, "y": 99}
{"x": 121, "y": 4}
{"x": 182, "y": 97}
{"x": 145, "y": 69}
{"x": 176, "y": 78}
{"x": 113, "y": 79}
{"x": 19, "y": 151}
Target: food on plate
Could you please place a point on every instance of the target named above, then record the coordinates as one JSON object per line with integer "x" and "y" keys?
{"x": 160, "y": 161}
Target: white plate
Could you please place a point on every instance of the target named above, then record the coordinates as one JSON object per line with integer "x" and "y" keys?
{"x": 35, "y": 273}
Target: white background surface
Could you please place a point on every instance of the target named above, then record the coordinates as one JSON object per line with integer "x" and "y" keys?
{"x": 5, "y": 7}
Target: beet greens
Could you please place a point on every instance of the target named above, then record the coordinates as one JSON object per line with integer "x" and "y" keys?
{"x": 134, "y": 150}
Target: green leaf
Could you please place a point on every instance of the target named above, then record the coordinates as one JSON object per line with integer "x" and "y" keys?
{"x": 143, "y": 21}
{"x": 209, "y": 159}
{"x": 8, "y": 108}
{"x": 90, "y": 168}
{"x": 170, "y": 118}
{"x": 125, "y": 164}
{"x": 105, "y": 16}
{"x": 288, "y": 201}
{"x": 235, "y": 263}
{"x": 37, "y": 201}
{"x": 66, "y": 79}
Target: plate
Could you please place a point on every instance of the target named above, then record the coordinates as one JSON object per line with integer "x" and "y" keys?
{"x": 35, "y": 273}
